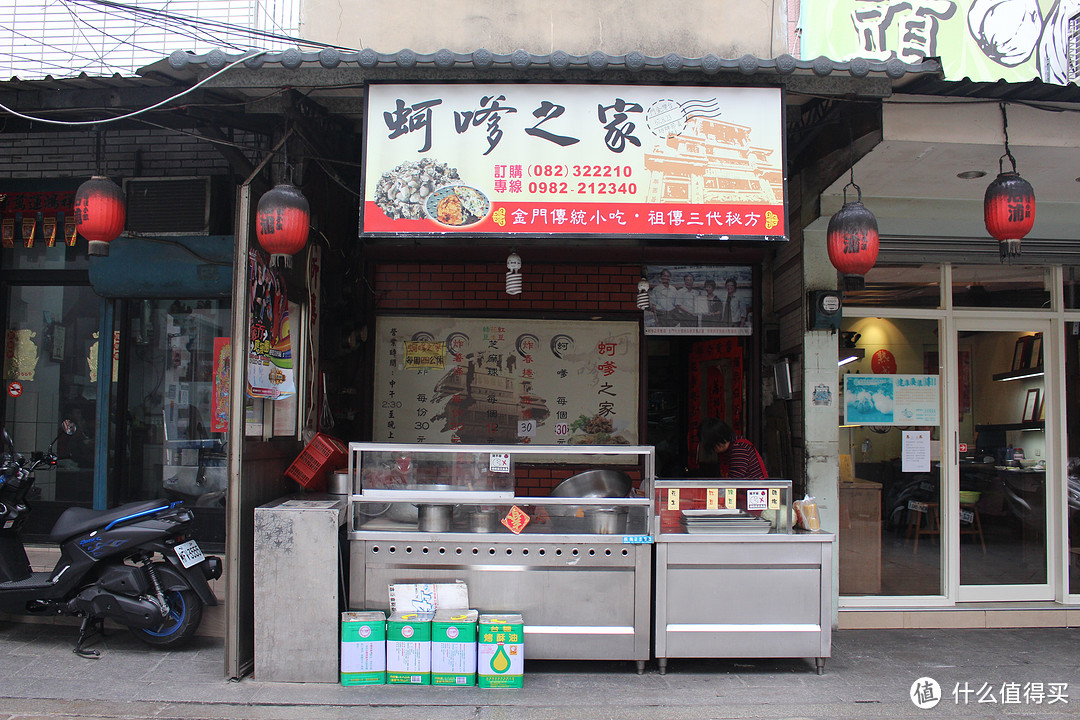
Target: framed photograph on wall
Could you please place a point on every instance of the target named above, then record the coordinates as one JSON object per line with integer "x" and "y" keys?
{"x": 1036, "y": 359}
{"x": 1031, "y": 406}
{"x": 1018, "y": 355}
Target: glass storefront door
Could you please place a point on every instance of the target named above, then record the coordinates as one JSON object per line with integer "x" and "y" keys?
{"x": 998, "y": 513}
{"x": 173, "y": 439}
{"x": 50, "y": 374}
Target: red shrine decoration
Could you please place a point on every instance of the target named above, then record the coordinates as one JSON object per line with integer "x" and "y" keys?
{"x": 853, "y": 241}
{"x": 99, "y": 213}
{"x": 281, "y": 222}
{"x": 1009, "y": 211}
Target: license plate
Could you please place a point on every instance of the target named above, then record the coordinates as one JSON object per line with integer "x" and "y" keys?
{"x": 189, "y": 553}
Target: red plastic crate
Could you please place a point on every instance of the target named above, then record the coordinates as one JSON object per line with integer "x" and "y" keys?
{"x": 316, "y": 460}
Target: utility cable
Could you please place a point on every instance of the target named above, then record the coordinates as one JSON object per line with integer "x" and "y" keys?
{"x": 84, "y": 123}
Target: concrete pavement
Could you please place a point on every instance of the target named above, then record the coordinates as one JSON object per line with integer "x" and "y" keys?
{"x": 985, "y": 673}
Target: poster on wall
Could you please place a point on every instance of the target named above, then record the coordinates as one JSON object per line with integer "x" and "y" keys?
{"x": 270, "y": 371}
{"x": 222, "y": 381}
{"x": 699, "y": 300}
{"x": 505, "y": 381}
{"x": 574, "y": 159}
{"x": 892, "y": 400}
{"x": 984, "y": 41}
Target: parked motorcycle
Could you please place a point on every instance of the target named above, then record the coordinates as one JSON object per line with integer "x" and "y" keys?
{"x": 137, "y": 564}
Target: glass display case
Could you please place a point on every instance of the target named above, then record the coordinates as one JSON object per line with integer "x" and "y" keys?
{"x": 471, "y": 489}
{"x": 712, "y": 506}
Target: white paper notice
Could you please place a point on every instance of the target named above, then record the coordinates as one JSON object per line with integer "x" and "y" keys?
{"x": 915, "y": 453}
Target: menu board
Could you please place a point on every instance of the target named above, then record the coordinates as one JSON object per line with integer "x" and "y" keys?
{"x": 574, "y": 159}
{"x": 505, "y": 381}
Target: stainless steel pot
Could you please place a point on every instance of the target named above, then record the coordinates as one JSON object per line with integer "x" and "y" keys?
{"x": 599, "y": 483}
{"x": 483, "y": 521}
{"x": 607, "y": 520}
{"x": 435, "y": 518}
{"x": 338, "y": 483}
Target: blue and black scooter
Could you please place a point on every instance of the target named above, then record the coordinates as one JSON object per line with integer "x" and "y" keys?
{"x": 137, "y": 564}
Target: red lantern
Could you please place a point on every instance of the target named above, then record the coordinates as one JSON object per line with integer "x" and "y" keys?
{"x": 853, "y": 241}
{"x": 99, "y": 213}
{"x": 281, "y": 222}
{"x": 1009, "y": 210}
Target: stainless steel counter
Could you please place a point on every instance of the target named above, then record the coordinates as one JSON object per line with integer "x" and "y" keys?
{"x": 734, "y": 595}
{"x": 583, "y": 597}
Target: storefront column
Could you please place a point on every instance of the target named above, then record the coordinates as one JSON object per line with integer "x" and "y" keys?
{"x": 821, "y": 402}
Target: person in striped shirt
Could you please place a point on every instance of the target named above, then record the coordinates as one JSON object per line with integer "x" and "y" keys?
{"x": 724, "y": 454}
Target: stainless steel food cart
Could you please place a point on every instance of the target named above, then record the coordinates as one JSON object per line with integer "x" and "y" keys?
{"x": 732, "y": 577}
{"x": 580, "y": 570}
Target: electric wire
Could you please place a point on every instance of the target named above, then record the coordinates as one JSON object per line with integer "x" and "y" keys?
{"x": 166, "y": 101}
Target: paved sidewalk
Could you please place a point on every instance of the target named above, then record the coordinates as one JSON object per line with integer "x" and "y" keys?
{"x": 869, "y": 676}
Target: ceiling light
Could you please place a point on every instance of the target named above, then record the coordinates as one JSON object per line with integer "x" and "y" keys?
{"x": 971, "y": 174}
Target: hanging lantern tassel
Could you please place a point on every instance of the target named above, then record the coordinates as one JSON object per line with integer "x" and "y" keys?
{"x": 643, "y": 294}
{"x": 99, "y": 213}
{"x": 281, "y": 223}
{"x": 853, "y": 241}
{"x": 513, "y": 274}
{"x": 1009, "y": 210}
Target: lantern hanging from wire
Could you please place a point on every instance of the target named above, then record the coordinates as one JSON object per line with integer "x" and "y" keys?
{"x": 853, "y": 240}
{"x": 1009, "y": 203}
{"x": 513, "y": 273}
{"x": 99, "y": 213}
{"x": 281, "y": 223}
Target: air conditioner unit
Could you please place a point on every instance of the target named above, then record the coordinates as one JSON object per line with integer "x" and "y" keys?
{"x": 168, "y": 205}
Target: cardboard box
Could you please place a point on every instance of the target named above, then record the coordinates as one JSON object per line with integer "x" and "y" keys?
{"x": 453, "y": 647}
{"x": 363, "y": 648}
{"x": 408, "y": 648}
{"x": 428, "y": 597}
{"x": 500, "y": 650}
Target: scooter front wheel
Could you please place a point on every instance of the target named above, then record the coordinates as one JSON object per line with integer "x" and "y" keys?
{"x": 185, "y": 613}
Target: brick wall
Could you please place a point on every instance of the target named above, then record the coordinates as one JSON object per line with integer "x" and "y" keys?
{"x": 572, "y": 288}
{"x": 147, "y": 153}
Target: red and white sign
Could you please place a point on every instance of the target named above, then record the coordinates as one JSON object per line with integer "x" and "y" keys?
{"x": 963, "y": 447}
{"x": 574, "y": 160}
{"x": 14, "y": 389}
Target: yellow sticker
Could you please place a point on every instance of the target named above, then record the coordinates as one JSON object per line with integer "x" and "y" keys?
{"x": 712, "y": 498}
{"x": 774, "y": 498}
{"x": 729, "y": 497}
{"x": 673, "y": 499}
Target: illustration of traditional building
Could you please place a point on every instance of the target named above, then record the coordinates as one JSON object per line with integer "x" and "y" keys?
{"x": 712, "y": 161}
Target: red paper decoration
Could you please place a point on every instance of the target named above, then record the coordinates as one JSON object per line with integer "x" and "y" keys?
{"x": 1009, "y": 211}
{"x": 853, "y": 241}
{"x": 282, "y": 221}
{"x": 99, "y": 213}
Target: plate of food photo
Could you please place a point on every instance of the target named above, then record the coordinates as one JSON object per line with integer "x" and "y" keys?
{"x": 457, "y": 206}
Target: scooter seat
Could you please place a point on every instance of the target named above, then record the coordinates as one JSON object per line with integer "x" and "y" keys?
{"x": 77, "y": 520}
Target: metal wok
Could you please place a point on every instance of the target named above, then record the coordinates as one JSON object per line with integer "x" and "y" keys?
{"x": 599, "y": 483}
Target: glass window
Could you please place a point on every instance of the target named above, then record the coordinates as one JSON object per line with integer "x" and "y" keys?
{"x": 903, "y": 286}
{"x": 42, "y": 257}
{"x": 889, "y": 534}
{"x": 1072, "y": 420}
{"x": 1001, "y": 286}
{"x": 1072, "y": 286}
{"x": 51, "y": 353}
{"x": 174, "y": 442}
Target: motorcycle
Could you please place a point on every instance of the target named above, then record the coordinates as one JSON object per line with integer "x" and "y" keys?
{"x": 137, "y": 564}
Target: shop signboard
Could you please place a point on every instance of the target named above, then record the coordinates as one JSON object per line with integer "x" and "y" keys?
{"x": 1010, "y": 40}
{"x": 505, "y": 381}
{"x": 903, "y": 400}
{"x": 574, "y": 160}
{"x": 699, "y": 300}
